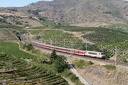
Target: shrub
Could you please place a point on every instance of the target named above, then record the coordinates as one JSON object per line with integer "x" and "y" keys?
{"x": 73, "y": 77}
{"x": 110, "y": 67}
{"x": 82, "y": 63}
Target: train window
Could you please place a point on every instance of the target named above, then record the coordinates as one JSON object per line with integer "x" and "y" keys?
{"x": 102, "y": 53}
{"x": 92, "y": 53}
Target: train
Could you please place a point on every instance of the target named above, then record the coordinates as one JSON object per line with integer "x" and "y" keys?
{"x": 94, "y": 54}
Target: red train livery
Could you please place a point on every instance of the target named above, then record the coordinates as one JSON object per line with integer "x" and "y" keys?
{"x": 71, "y": 51}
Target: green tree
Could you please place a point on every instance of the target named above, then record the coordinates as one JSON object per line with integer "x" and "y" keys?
{"x": 73, "y": 77}
{"x": 29, "y": 47}
{"x": 60, "y": 64}
{"x": 53, "y": 55}
{"x": 43, "y": 60}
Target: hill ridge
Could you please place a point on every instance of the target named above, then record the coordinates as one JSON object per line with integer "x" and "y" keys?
{"x": 81, "y": 11}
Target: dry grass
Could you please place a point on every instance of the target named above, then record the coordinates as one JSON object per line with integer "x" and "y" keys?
{"x": 91, "y": 24}
{"x": 32, "y": 23}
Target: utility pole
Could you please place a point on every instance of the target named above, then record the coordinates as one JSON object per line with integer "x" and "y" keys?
{"x": 72, "y": 45}
{"x": 27, "y": 37}
{"x": 116, "y": 56}
{"x": 41, "y": 40}
{"x": 71, "y": 48}
{"x": 86, "y": 46}
{"x": 50, "y": 42}
{"x": 64, "y": 42}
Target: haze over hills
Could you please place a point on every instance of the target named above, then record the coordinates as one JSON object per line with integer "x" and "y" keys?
{"x": 81, "y": 11}
{"x": 33, "y": 23}
{"x": 77, "y": 12}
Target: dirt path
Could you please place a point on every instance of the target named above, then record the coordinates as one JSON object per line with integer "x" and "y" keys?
{"x": 69, "y": 82}
{"x": 73, "y": 70}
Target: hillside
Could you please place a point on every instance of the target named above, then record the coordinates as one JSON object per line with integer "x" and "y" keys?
{"x": 81, "y": 12}
{"x": 59, "y": 23}
{"x": 7, "y": 35}
{"x": 12, "y": 16}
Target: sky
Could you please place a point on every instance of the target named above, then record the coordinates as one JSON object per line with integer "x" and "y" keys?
{"x": 17, "y": 3}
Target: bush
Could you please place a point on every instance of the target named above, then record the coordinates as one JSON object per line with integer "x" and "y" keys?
{"x": 28, "y": 47}
{"x": 82, "y": 63}
{"x": 73, "y": 77}
{"x": 53, "y": 55}
{"x": 110, "y": 67}
{"x": 59, "y": 64}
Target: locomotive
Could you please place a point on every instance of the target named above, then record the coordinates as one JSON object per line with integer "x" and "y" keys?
{"x": 71, "y": 51}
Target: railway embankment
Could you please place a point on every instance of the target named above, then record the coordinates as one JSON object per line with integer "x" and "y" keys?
{"x": 102, "y": 73}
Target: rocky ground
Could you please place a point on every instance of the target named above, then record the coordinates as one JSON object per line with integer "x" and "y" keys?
{"x": 97, "y": 74}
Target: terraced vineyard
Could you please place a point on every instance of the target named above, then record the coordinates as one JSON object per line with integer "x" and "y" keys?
{"x": 58, "y": 38}
{"x": 106, "y": 39}
{"x": 6, "y": 35}
{"x": 13, "y": 49}
{"x": 19, "y": 70}
{"x": 98, "y": 34}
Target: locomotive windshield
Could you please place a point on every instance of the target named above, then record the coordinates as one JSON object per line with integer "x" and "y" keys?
{"x": 102, "y": 53}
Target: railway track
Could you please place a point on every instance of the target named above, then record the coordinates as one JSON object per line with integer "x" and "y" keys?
{"x": 82, "y": 79}
{"x": 118, "y": 63}
{"x": 90, "y": 58}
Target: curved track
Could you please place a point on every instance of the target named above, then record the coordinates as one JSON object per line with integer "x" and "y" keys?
{"x": 92, "y": 59}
